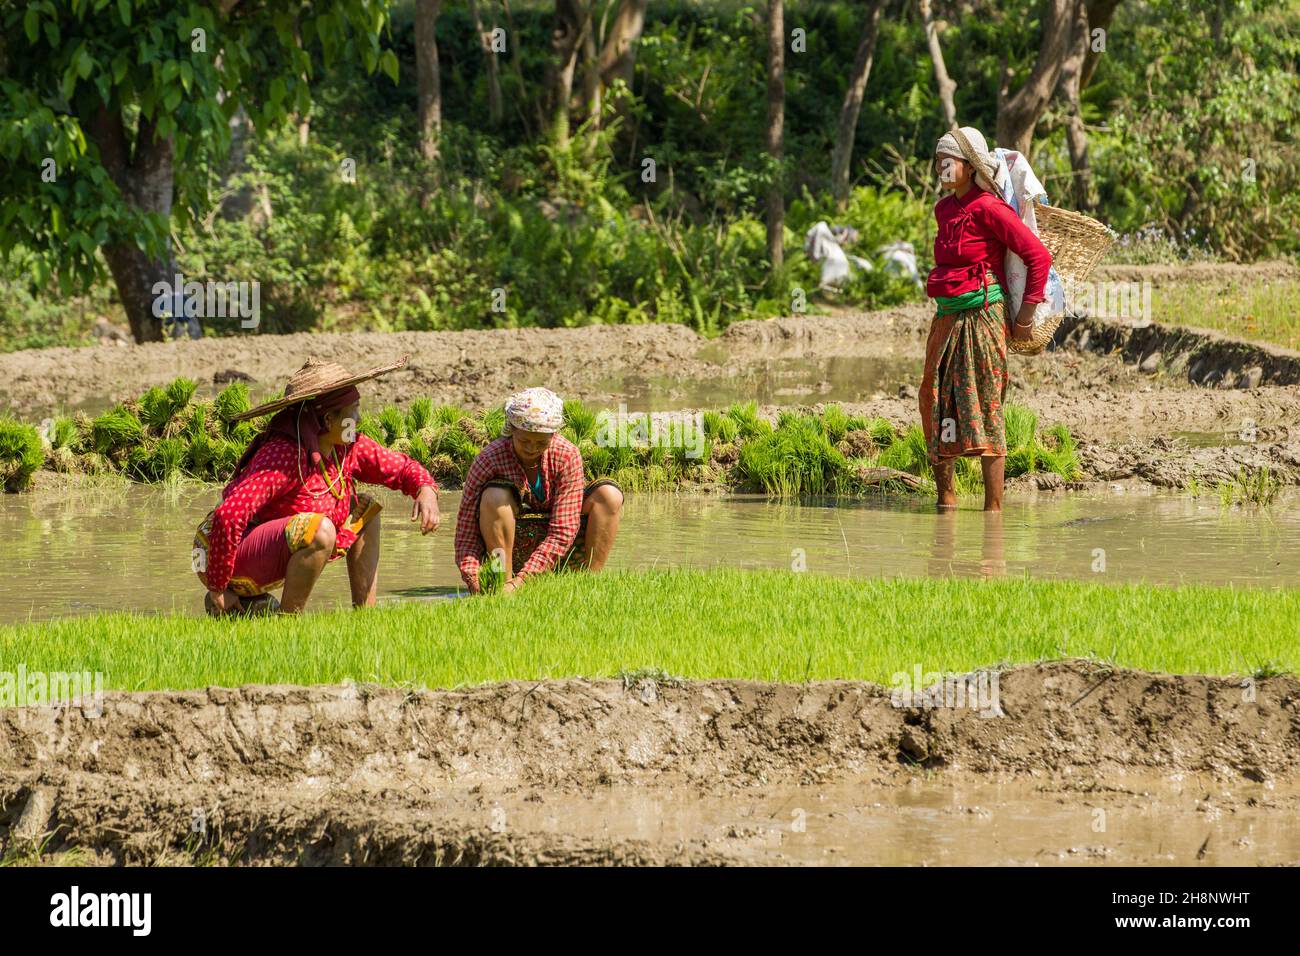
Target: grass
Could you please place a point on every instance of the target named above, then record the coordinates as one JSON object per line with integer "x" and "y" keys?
{"x": 1256, "y": 486}
{"x": 721, "y": 623}
{"x": 1251, "y": 309}
{"x": 167, "y": 436}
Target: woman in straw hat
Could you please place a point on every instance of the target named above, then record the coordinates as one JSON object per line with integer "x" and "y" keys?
{"x": 292, "y": 505}
{"x": 526, "y": 501}
{"x": 965, "y": 379}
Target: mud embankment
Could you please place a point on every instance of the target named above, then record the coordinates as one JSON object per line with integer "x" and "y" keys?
{"x": 321, "y": 775}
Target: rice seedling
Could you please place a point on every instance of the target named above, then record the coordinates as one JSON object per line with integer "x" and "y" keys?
{"x": 1021, "y": 426}
{"x": 793, "y": 459}
{"x": 231, "y": 401}
{"x": 447, "y": 415}
{"x": 491, "y": 575}
{"x": 835, "y": 423}
{"x": 472, "y": 430}
{"x": 371, "y": 428}
{"x": 419, "y": 416}
{"x": 21, "y": 453}
{"x": 579, "y": 421}
{"x": 720, "y": 427}
{"x": 747, "y": 419}
{"x": 1256, "y": 486}
{"x": 763, "y": 625}
{"x": 116, "y": 429}
{"x": 494, "y": 421}
{"x": 393, "y": 423}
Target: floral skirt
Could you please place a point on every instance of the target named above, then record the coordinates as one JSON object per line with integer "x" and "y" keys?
{"x": 965, "y": 384}
{"x": 533, "y": 524}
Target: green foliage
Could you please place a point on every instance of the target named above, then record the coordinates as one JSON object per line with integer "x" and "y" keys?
{"x": 796, "y": 458}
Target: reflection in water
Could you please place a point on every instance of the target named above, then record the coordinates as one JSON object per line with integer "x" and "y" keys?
{"x": 79, "y": 550}
{"x": 943, "y": 555}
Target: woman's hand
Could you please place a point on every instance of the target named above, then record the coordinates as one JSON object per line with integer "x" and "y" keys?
{"x": 1022, "y": 329}
{"x": 425, "y": 510}
{"x": 227, "y": 601}
{"x": 513, "y": 585}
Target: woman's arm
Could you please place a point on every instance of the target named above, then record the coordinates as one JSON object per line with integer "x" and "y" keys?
{"x": 378, "y": 465}
{"x": 1001, "y": 220}
{"x": 469, "y": 539}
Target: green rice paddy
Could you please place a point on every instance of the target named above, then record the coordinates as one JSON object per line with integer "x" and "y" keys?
{"x": 778, "y": 626}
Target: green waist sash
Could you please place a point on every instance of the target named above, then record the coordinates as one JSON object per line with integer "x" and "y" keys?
{"x": 948, "y": 304}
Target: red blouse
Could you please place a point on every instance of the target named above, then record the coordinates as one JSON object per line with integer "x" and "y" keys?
{"x": 975, "y": 231}
{"x": 271, "y": 488}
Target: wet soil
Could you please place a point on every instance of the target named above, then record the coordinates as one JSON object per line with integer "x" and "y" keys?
{"x": 1084, "y": 764}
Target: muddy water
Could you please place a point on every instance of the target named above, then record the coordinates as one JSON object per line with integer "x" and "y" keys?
{"x": 933, "y": 822}
{"x": 83, "y": 550}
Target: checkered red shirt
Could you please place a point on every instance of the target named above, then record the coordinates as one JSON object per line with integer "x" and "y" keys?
{"x": 563, "y": 482}
{"x": 271, "y": 488}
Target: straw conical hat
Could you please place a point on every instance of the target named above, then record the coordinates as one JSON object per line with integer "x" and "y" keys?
{"x": 317, "y": 378}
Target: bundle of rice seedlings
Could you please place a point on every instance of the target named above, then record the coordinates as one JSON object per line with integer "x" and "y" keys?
{"x": 419, "y": 416}
{"x": 598, "y": 462}
{"x": 491, "y": 575}
{"x": 231, "y": 401}
{"x": 393, "y": 423}
{"x": 835, "y": 423}
{"x": 225, "y": 455}
{"x": 244, "y": 432}
{"x": 199, "y": 455}
{"x": 856, "y": 443}
{"x": 720, "y": 427}
{"x": 402, "y": 446}
{"x": 1059, "y": 453}
{"x": 1021, "y": 425}
{"x": 444, "y": 469}
{"x": 159, "y": 406}
{"x": 579, "y": 420}
{"x": 21, "y": 453}
{"x": 908, "y": 453}
{"x": 494, "y": 420}
{"x": 447, "y": 414}
{"x": 473, "y": 430}
{"x": 747, "y": 419}
{"x": 795, "y": 459}
{"x": 93, "y": 463}
{"x": 419, "y": 450}
{"x": 371, "y": 428}
{"x": 162, "y": 460}
{"x": 116, "y": 429}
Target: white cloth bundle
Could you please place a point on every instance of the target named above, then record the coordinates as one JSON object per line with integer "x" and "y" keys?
{"x": 1022, "y": 190}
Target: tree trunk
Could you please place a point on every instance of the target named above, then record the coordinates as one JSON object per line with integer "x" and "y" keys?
{"x": 145, "y": 177}
{"x": 947, "y": 88}
{"x": 566, "y": 41}
{"x": 1018, "y": 114}
{"x": 776, "y": 131}
{"x": 428, "y": 82}
{"x": 591, "y": 82}
{"x": 1100, "y": 13}
{"x": 1075, "y": 136}
{"x": 618, "y": 55}
{"x": 495, "y": 110}
{"x": 842, "y": 155}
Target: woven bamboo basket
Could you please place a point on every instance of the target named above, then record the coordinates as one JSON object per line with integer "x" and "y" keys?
{"x": 1077, "y": 244}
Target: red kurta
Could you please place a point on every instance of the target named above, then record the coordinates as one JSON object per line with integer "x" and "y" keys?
{"x": 270, "y": 488}
{"x": 974, "y": 234}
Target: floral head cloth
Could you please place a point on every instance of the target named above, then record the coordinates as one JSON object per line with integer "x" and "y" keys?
{"x": 534, "y": 410}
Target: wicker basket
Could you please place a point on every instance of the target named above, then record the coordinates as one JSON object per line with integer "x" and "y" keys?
{"x": 1077, "y": 244}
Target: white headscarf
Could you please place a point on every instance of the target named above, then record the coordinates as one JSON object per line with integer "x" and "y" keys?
{"x": 534, "y": 410}
{"x": 988, "y": 172}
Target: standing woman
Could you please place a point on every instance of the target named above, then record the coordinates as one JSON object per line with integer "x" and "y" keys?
{"x": 965, "y": 380}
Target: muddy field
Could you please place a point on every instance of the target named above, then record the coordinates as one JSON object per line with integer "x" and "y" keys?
{"x": 1084, "y": 765}
{"x": 1156, "y": 404}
